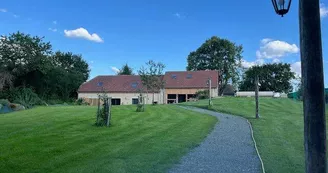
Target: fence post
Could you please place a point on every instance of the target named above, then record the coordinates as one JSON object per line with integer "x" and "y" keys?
{"x": 257, "y": 96}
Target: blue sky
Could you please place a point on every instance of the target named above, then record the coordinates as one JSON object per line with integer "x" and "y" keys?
{"x": 111, "y": 33}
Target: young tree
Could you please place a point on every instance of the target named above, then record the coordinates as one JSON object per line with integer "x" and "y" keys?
{"x": 152, "y": 76}
{"x": 217, "y": 54}
{"x": 125, "y": 70}
{"x": 272, "y": 77}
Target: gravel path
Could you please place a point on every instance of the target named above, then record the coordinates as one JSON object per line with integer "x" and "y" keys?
{"x": 228, "y": 148}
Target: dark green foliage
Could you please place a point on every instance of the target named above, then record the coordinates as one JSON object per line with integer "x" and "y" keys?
{"x": 102, "y": 117}
{"x": 25, "y": 97}
{"x": 140, "y": 108}
{"x": 229, "y": 90}
{"x": 104, "y": 111}
{"x": 272, "y": 77}
{"x": 28, "y": 61}
{"x": 55, "y": 102}
{"x": 81, "y": 101}
{"x": 4, "y": 102}
{"x": 326, "y": 97}
{"x": 17, "y": 107}
{"x": 217, "y": 54}
{"x": 203, "y": 94}
{"x": 125, "y": 70}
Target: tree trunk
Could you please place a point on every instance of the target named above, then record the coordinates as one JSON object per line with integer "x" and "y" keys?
{"x": 313, "y": 83}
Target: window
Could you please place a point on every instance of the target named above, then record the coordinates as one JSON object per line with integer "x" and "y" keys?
{"x": 171, "y": 96}
{"x": 189, "y": 76}
{"x": 116, "y": 101}
{"x": 134, "y": 85}
{"x": 100, "y": 84}
{"x": 174, "y": 76}
{"x": 135, "y": 101}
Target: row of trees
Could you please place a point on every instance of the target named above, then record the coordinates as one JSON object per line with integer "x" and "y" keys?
{"x": 28, "y": 62}
{"x": 225, "y": 56}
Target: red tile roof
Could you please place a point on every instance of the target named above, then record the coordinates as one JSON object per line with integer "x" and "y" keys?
{"x": 132, "y": 83}
{"x": 190, "y": 79}
{"x": 120, "y": 83}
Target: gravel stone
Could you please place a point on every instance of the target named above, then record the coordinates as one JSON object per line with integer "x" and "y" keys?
{"x": 228, "y": 148}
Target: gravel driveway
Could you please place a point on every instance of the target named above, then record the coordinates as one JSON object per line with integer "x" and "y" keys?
{"x": 228, "y": 148}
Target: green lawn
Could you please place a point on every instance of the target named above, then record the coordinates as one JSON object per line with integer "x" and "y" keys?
{"x": 278, "y": 133}
{"x": 63, "y": 139}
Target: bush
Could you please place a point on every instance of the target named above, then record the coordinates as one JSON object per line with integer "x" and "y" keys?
{"x": 81, "y": 101}
{"x": 55, "y": 102}
{"x": 25, "y": 97}
{"x": 140, "y": 108}
{"x": 16, "y": 107}
{"x": 204, "y": 94}
{"x": 4, "y": 102}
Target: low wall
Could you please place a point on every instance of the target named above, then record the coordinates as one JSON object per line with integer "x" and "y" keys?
{"x": 252, "y": 94}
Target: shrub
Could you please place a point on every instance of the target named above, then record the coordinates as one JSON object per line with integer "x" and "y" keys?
{"x": 12, "y": 106}
{"x": 25, "y": 97}
{"x": 140, "y": 108}
{"x": 16, "y": 107}
{"x": 102, "y": 117}
{"x": 81, "y": 101}
{"x": 55, "y": 102}
{"x": 204, "y": 94}
{"x": 4, "y": 102}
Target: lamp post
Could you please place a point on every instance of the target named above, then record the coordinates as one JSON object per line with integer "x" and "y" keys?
{"x": 312, "y": 78}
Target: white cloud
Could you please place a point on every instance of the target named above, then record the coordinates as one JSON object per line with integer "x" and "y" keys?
{"x": 54, "y": 22}
{"x": 52, "y": 29}
{"x": 91, "y": 62}
{"x": 248, "y": 64}
{"x": 296, "y": 68}
{"x": 275, "y": 49}
{"x": 115, "y": 69}
{"x": 266, "y": 40}
{"x": 16, "y": 16}
{"x": 3, "y": 10}
{"x": 323, "y": 10}
{"x": 83, "y": 33}
{"x": 275, "y": 60}
{"x": 178, "y": 15}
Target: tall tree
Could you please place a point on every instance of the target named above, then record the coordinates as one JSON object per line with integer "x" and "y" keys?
{"x": 217, "y": 54}
{"x": 28, "y": 61}
{"x": 272, "y": 77}
{"x": 152, "y": 76}
{"x": 125, "y": 70}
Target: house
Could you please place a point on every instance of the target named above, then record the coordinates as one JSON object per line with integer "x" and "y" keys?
{"x": 124, "y": 90}
{"x": 180, "y": 86}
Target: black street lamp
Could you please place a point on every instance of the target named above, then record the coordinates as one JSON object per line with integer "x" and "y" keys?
{"x": 313, "y": 85}
{"x": 281, "y": 6}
